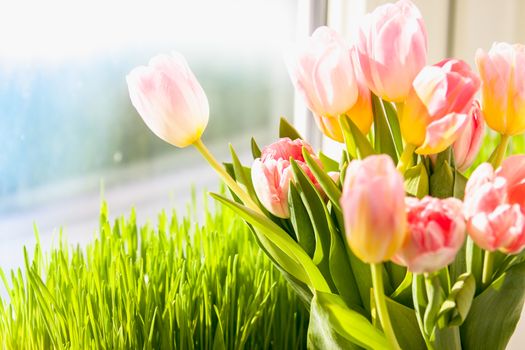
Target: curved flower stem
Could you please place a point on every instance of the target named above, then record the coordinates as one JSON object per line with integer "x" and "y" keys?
{"x": 499, "y": 153}
{"x": 230, "y": 182}
{"x": 488, "y": 263}
{"x": 382, "y": 311}
{"x": 406, "y": 158}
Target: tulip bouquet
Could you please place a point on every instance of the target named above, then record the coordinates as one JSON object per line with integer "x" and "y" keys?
{"x": 390, "y": 246}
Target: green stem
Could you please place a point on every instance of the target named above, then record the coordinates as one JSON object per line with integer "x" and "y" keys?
{"x": 406, "y": 158}
{"x": 230, "y": 182}
{"x": 488, "y": 263}
{"x": 499, "y": 153}
{"x": 382, "y": 311}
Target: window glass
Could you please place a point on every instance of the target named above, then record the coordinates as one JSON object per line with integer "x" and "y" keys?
{"x": 66, "y": 121}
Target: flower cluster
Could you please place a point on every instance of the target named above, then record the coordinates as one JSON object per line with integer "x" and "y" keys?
{"x": 398, "y": 200}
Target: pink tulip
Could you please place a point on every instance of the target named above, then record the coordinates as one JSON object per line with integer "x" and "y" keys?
{"x": 373, "y": 204}
{"x": 495, "y": 205}
{"x": 322, "y": 72}
{"x": 502, "y": 72}
{"x": 169, "y": 99}
{"x": 392, "y": 49}
{"x": 436, "y": 231}
{"x": 437, "y": 106}
{"x": 361, "y": 112}
{"x": 272, "y": 173}
{"x": 467, "y": 145}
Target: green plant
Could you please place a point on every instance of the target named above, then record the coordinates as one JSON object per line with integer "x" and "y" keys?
{"x": 179, "y": 285}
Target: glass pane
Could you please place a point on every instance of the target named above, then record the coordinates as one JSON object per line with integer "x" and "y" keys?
{"x": 67, "y": 124}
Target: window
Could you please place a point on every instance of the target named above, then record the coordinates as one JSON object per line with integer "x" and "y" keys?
{"x": 68, "y": 129}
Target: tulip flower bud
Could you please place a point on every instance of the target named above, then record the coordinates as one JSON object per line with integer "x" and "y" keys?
{"x": 494, "y": 206}
{"x": 467, "y": 145}
{"x": 272, "y": 173}
{"x": 502, "y": 72}
{"x": 436, "y": 109}
{"x": 361, "y": 112}
{"x": 392, "y": 49}
{"x": 373, "y": 204}
{"x": 436, "y": 232}
{"x": 169, "y": 99}
{"x": 322, "y": 72}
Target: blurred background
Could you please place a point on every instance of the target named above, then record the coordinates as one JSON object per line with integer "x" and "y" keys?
{"x": 69, "y": 135}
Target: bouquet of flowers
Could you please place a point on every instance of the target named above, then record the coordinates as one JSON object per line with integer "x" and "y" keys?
{"x": 390, "y": 246}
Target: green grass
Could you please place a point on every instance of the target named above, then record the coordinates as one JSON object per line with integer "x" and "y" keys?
{"x": 176, "y": 285}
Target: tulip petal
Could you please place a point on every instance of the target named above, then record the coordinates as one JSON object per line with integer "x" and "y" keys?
{"x": 442, "y": 133}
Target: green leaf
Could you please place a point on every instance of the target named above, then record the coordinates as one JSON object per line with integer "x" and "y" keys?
{"x": 447, "y": 338}
{"x": 383, "y": 138}
{"x": 242, "y": 174}
{"x": 436, "y": 297}
{"x": 319, "y": 218}
{"x": 357, "y": 145}
{"x": 333, "y": 261}
{"x": 460, "y": 182}
{"x": 405, "y": 326}
{"x": 442, "y": 181}
{"x": 474, "y": 257}
{"x": 342, "y": 274}
{"x": 256, "y": 150}
{"x": 328, "y": 163}
{"x": 286, "y": 252}
{"x": 416, "y": 181}
{"x": 495, "y": 312}
{"x": 455, "y": 308}
{"x": 335, "y": 326}
{"x": 327, "y": 184}
{"x": 301, "y": 221}
{"x": 287, "y": 130}
{"x": 393, "y": 122}
{"x": 403, "y": 292}
{"x": 420, "y": 301}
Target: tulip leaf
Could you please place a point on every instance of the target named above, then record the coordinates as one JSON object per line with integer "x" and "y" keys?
{"x": 455, "y": 308}
{"x": 242, "y": 174}
{"x": 383, "y": 138}
{"x": 435, "y": 297}
{"x": 474, "y": 260}
{"x": 316, "y": 208}
{"x": 231, "y": 171}
{"x": 301, "y": 221}
{"x": 442, "y": 180}
{"x": 420, "y": 303}
{"x": 357, "y": 145}
{"x": 334, "y": 264}
{"x": 333, "y": 325}
{"x": 256, "y": 150}
{"x": 327, "y": 184}
{"x": 403, "y": 292}
{"x": 460, "y": 182}
{"x": 405, "y": 326}
{"x": 328, "y": 163}
{"x": 459, "y": 265}
{"x": 342, "y": 273}
{"x": 283, "y": 249}
{"x": 393, "y": 122}
{"x": 396, "y": 273}
{"x": 495, "y": 313}
{"x": 287, "y": 130}
{"x": 416, "y": 181}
